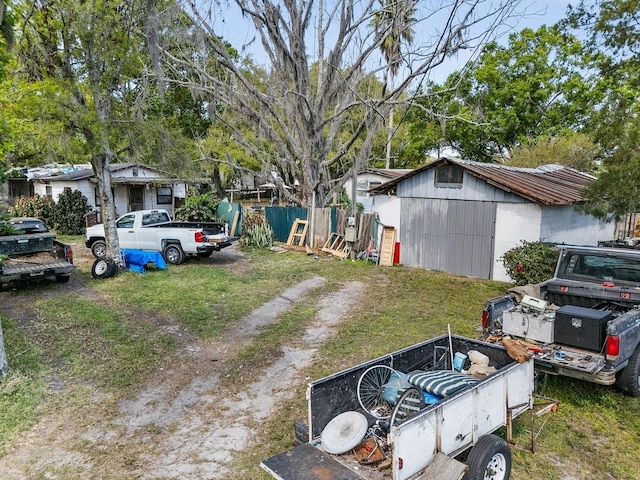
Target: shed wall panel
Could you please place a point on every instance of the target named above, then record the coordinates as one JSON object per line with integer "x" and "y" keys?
{"x": 422, "y": 185}
{"x": 454, "y": 236}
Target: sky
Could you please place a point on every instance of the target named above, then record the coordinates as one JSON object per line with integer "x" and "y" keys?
{"x": 230, "y": 25}
{"x": 540, "y": 12}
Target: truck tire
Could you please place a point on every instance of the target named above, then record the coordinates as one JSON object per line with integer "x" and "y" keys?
{"x": 99, "y": 249}
{"x": 489, "y": 459}
{"x": 173, "y": 254}
{"x": 103, "y": 268}
{"x": 629, "y": 378}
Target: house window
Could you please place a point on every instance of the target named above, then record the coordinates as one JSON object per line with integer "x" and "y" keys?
{"x": 449, "y": 176}
{"x": 48, "y": 192}
{"x": 97, "y": 202}
{"x": 165, "y": 194}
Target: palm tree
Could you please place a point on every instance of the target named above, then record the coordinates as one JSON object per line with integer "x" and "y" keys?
{"x": 393, "y": 22}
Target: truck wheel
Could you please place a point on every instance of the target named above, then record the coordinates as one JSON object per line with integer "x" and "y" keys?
{"x": 99, "y": 249}
{"x": 629, "y": 378}
{"x": 103, "y": 268}
{"x": 173, "y": 254}
{"x": 489, "y": 459}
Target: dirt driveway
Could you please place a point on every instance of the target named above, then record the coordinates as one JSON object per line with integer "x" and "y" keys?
{"x": 189, "y": 421}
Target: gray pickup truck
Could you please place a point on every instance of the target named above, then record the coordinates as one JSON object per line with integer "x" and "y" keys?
{"x": 29, "y": 251}
{"x": 582, "y": 323}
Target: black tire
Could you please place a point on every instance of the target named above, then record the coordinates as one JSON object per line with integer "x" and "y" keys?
{"x": 203, "y": 255}
{"x": 103, "y": 268}
{"x": 173, "y": 254}
{"x": 489, "y": 459}
{"x": 62, "y": 278}
{"x": 629, "y": 378}
{"x": 99, "y": 249}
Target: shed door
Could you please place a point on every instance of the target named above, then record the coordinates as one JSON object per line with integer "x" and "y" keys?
{"x": 454, "y": 236}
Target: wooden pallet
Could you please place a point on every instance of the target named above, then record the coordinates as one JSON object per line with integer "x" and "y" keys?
{"x": 298, "y": 234}
{"x": 336, "y": 246}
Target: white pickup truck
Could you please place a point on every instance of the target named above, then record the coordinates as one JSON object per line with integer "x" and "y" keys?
{"x": 153, "y": 230}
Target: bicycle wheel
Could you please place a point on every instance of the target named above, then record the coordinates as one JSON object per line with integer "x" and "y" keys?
{"x": 410, "y": 402}
{"x": 370, "y": 389}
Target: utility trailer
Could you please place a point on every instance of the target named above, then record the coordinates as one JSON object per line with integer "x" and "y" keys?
{"x": 422, "y": 443}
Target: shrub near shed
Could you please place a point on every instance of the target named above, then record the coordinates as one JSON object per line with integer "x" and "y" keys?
{"x": 531, "y": 262}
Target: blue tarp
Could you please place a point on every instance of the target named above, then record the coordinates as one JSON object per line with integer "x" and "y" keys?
{"x": 136, "y": 260}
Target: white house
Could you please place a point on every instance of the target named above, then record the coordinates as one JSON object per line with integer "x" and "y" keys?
{"x": 135, "y": 187}
{"x": 370, "y": 178}
{"x": 461, "y": 217}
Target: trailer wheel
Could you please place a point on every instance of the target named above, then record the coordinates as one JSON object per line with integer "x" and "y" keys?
{"x": 489, "y": 459}
{"x": 629, "y": 378}
{"x": 99, "y": 249}
{"x": 103, "y": 268}
{"x": 173, "y": 254}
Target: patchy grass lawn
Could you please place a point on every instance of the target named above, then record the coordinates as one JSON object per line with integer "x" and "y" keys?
{"x": 111, "y": 334}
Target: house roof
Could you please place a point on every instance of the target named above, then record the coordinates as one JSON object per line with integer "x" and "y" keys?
{"x": 387, "y": 172}
{"x": 546, "y": 184}
{"x": 85, "y": 173}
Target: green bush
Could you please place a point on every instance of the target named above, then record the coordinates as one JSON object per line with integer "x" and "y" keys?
{"x": 37, "y": 206}
{"x": 531, "y": 262}
{"x": 69, "y": 213}
{"x": 197, "y": 208}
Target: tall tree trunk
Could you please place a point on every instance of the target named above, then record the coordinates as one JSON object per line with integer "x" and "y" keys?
{"x": 100, "y": 163}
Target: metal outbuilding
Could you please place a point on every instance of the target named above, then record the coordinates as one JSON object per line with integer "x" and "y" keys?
{"x": 461, "y": 216}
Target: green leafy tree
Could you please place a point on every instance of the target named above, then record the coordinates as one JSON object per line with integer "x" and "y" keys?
{"x": 89, "y": 57}
{"x": 577, "y": 151}
{"x": 612, "y": 29}
{"x": 538, "y": 84}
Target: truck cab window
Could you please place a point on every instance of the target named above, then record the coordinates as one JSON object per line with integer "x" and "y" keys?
{"x": 125, "y": 222}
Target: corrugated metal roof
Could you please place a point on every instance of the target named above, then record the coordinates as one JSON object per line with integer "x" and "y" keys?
{"x": 547, "y": 184}
{"x": 388, "y": 172}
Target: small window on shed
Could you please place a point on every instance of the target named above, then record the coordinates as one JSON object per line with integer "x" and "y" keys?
{"x": 449, "y": 176}
{"x": 164, "y": 195}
